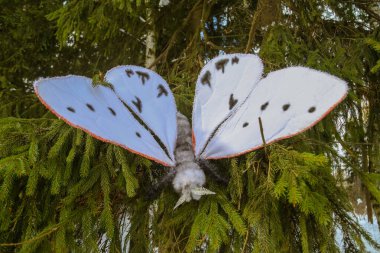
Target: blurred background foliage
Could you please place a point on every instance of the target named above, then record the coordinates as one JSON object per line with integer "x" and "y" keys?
{"x": 63, "y": 191}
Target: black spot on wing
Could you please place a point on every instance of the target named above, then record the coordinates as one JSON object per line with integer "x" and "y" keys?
{"x": 285, "y": 107}
{"x": 221, "y": 64}
{"x": 245, "y": 124}
{"x": 143, "y": 75}
{"x": 112, "y": 111}
{"x": 138, "y": 134}
{"x": 70, "y": 109}
{"x": 161, "y": 91}
{"x": 138, "y": 104}
{"x": 206, "y": 79}
{"x": 232, "y": 102}
{"x": 312, "y": 109}
{"x": 235, "y": 60}
{"x": 89, "y": 106}
{"x": 264, "y": 106}
{"x": 129, "y": 72}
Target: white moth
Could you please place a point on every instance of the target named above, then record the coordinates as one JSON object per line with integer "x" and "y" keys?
{"x": 138, "y": 111}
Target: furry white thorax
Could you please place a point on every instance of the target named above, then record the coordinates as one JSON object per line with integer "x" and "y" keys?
{"x": 189, "y": 175}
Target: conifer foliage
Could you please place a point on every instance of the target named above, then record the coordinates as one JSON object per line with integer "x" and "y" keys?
{"x": 63, "y": 191}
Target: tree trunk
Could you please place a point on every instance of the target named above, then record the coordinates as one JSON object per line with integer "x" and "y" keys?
{"x": 151, "y": 41}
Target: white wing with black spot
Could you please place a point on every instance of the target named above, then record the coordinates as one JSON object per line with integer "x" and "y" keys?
{"x": 222, "y": 87}
{"x": 288, "y": 101}
{"x": 149, "y": 96}
{"x": 103, "y": 113}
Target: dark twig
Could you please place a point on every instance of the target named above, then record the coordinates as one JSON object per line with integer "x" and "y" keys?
{"x": 368, "y": 10}
{"x": 262, "y": 134}
{"x": 265, "y": 146}
{"x": 254, "y": 24}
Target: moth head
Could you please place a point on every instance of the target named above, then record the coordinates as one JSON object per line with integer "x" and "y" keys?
{"x": 189, "y": 181}
{"x": 192, "y": 193}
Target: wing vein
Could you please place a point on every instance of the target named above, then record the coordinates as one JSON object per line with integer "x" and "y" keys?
{"x": 155, "y": 137}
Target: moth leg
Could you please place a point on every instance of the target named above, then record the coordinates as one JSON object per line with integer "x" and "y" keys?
{"x": 213, "y": 171}
{"x": 155, "y": 190}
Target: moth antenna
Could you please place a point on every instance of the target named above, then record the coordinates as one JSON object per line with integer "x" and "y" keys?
{"x": 155, "y": 190}
{"x": 213, "y": 171}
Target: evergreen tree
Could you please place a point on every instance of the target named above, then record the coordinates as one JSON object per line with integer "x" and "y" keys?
{"x": 63, "y": 191}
